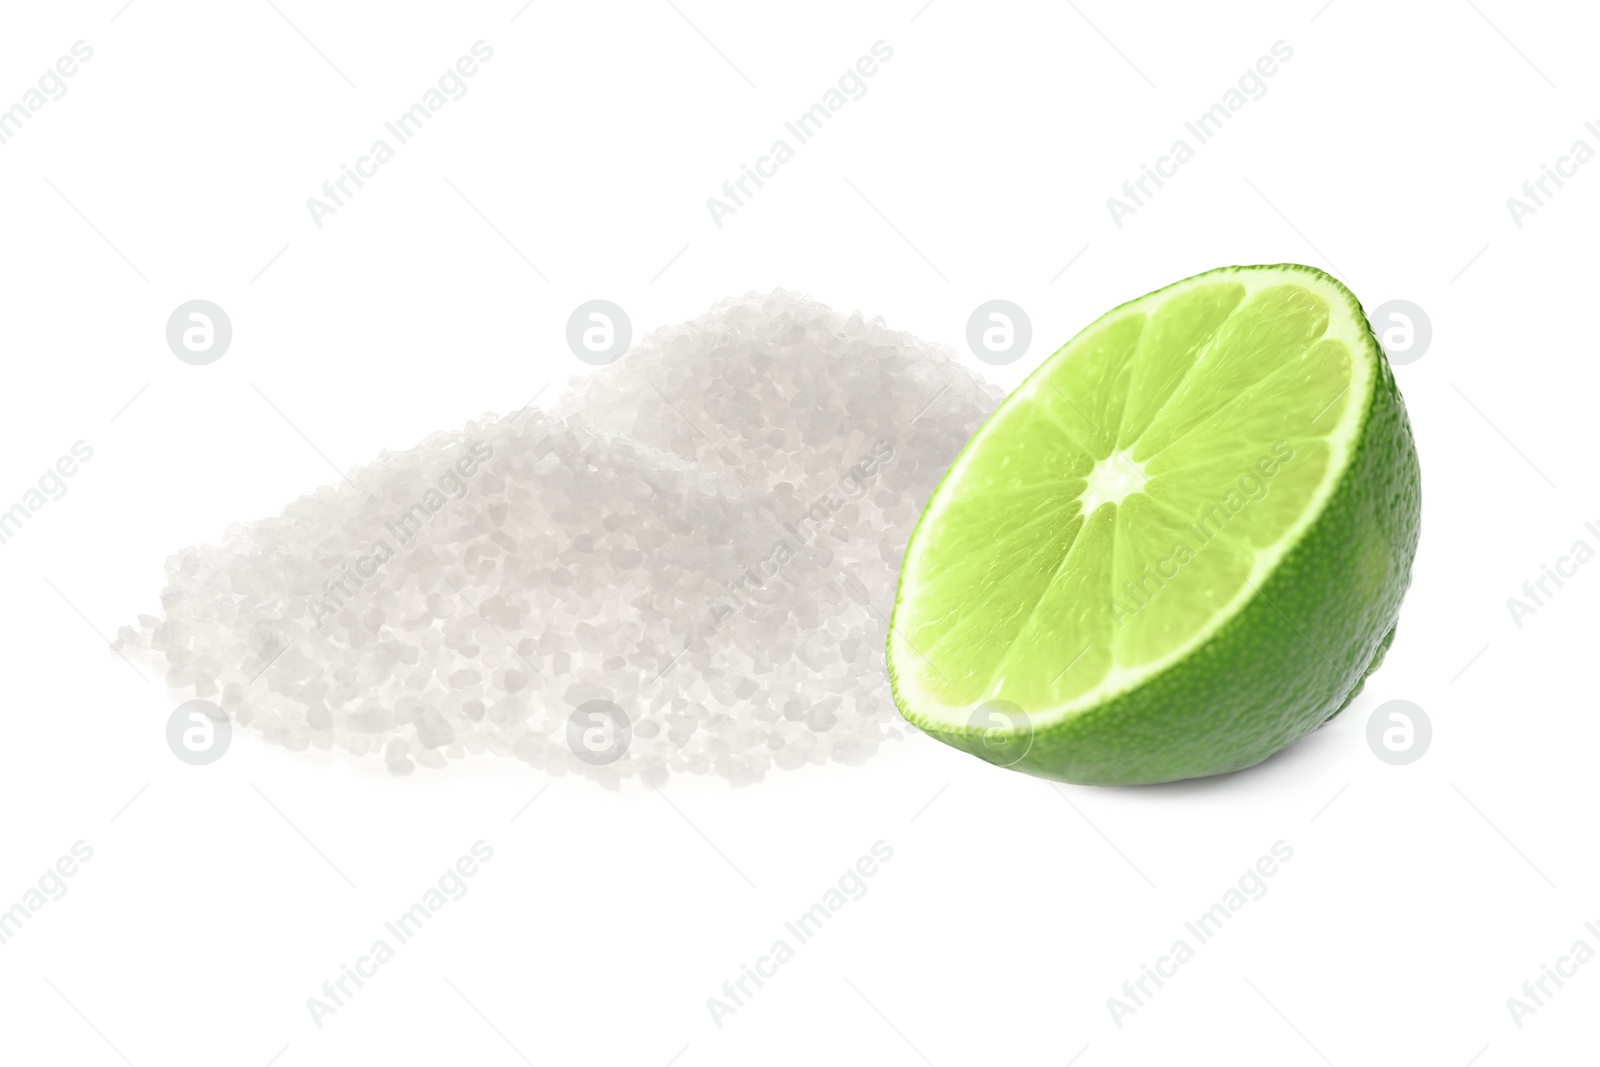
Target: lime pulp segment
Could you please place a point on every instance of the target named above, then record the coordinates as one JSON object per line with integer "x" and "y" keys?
{"x": 1131, "y": 496}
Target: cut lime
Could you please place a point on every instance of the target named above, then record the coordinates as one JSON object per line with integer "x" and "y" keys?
{"x": 1179, "y": 546}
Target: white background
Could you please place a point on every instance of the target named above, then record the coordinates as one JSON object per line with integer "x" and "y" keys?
{"x": 218, "y": 899}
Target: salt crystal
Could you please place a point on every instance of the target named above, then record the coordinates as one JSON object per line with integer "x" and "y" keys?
{"x": 704, "y": 535}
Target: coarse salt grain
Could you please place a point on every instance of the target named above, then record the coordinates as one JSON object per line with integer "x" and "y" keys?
{"x": 705, "y": 535}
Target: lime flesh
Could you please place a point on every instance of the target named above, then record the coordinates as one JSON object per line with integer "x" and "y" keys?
{"x": 1180, "y": 545}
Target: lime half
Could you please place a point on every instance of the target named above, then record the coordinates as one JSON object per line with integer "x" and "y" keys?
{"x": 1179, "y": 546}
